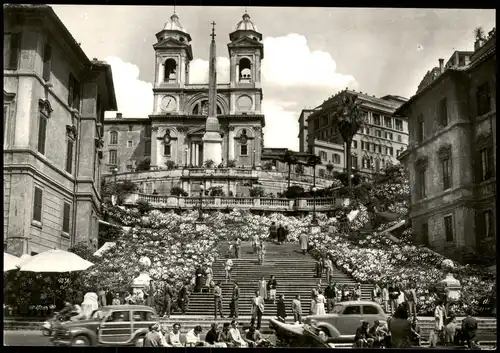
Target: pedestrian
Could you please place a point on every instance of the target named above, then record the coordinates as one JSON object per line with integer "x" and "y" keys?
{"x": 312, "y": 307}
{"x": 297, "y": 309}
{"x": 116, "y": 299}
{"x": 400, "y": 328}
{"x": 153, "y": 337}
{"x": 273, "y": 232}
{"x": 357, "y": 292}
{"x": 450, "y": 330}
{"x": 213, "y": 337}
{"x": 303, "y": 240}
{"x": 258, "y": 308}
{"x": 401, "y": 297}
{"x": 411, "y": 299}
{"x": 255, "y": 243}
{"x": 228, "y": 268}
{"x": 281, "y": 309}
{"x": 168, "y": 294}
{"x": 361, "y": 338}
{"x": 272, "y": 284}
{"x": 230, "y": 250}
{"x": 174, "y": 336}
{"x": 287, "y": 232}
{"x": 234, "y": 301}
{"x": 209, "y": 275}
{"x": 329, "y": 268}
{"x": 469, "y": 329}
{"x": 439, "y": 320}
{"x": 236, "y": 338}
{"x": 320, "y": 303}
{"x": 151, "y": 298}
{"x": 319, "y": 268}
{"x": 193, "y": 338}
{"x": 338, "y": 291}
{"x": 262, "y": 252}
{"x": 198, "y": 279}
{"x": 218, "y": 300}
{"x": 281, "y": 234}
{"x": 262, "y": 288}
{"x": 377, "y": 294}
{"x": 109, "y": 296}
{"x": 237, "y": 248}
{"x": 101, "y": 297}
{"x": 183, "y": 298}
{"x": 385, "y": 297}
{"x": 331, "y": 295}
{"x": 394, "y": 293}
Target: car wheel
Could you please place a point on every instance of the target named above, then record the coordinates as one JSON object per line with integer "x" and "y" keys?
{"x": 81, "y": 341}
{"x": 139, "y": 341}
{"x": 46, "y": 332}
{"x": 327, "y": 333}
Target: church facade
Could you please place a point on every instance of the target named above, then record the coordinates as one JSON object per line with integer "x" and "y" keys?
{"x": 172, "y": 136}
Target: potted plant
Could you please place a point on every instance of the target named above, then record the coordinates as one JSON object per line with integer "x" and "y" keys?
{"x": 231, "y": 163}
{"x": 209, "y": 163}
{"x": 170, "y": 165}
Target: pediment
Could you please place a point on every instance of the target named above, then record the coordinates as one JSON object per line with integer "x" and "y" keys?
{"x": 171, "y": 42}
{"x": 196, "y": 130}
{"x": 245, "y": 42}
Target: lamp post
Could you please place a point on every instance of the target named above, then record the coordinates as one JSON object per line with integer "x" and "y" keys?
{"x": 253, "y": 165}
{"x": 314, "y": 220}
{"x": 186, "y": 158}
{"x": 113, "y": 196}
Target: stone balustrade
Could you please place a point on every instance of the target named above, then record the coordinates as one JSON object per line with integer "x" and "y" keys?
{"x": 220, "y": 202}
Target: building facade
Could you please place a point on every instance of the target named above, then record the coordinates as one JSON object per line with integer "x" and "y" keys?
{"x": 451, "y": 156}
{"x": 377, "y": 144}
{"x": 54, "y": 103}
{"x": 173, "y": 134}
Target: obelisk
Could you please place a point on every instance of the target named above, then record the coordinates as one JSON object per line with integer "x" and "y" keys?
{"x": 212, "y": 141}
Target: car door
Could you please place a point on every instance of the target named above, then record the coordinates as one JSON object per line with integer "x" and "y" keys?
{"x": 116, "y": 328}
{"x": 370, "y": 313}
{"x": 350, "y": 320}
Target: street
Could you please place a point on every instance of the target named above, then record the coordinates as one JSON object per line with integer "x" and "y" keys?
{"x": 25, "y": 338}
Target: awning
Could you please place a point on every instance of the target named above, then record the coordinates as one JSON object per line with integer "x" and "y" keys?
{"x": 108, "y": 245}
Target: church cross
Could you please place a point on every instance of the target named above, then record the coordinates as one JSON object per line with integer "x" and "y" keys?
{"x": 213, "y": 30}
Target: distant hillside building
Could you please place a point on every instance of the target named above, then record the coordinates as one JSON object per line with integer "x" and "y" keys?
{"x": 451, "y": 157}
{"x": 376, "y": 145}
{"x": 54, "y": 103}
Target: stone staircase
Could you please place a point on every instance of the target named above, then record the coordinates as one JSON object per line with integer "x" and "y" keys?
{"x": 294, "y": 272}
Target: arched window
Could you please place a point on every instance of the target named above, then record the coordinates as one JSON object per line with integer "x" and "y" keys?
{"x": 112, "y": 157}
{"x": 201, "y": 108}
{"x": 245, "y": 70}
{"x": 113, "y": 138}
{"x": 170, "y": 70}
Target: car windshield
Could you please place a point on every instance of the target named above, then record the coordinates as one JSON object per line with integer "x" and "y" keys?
{"x": 337, "y": 309}
{"x": 99, "y": 314}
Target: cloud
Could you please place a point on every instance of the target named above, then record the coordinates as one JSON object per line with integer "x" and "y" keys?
{"x": 290, "y": 62}
{"x": 198, "y": 70}
{"x": 281, "y": 129}
{"x": 134, "y": 97}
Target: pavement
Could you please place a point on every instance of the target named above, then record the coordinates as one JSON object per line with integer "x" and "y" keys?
{"x": 25, "y": 338}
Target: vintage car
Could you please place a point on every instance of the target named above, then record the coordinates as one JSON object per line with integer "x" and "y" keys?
{"x": 115, "y": 325}
{"x": 346, "y": 317}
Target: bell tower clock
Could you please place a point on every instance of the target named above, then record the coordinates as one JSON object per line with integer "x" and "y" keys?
{"x": 173, "y": 54}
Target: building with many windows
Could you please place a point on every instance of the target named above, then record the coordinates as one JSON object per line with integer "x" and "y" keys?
{"x": 451, "y": 154}
{"x": 54, "y": 103}
{"x": 378, "y": 143}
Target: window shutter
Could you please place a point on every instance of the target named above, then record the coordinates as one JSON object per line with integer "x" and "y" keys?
{"x": 66, "y": 214}
{"x": 76, "y": 94}
{"x": 37, "y": 205}
{"x": 70, "y": 90}
{"x": 47, "y": 56}
{"x": 69, "y": 156}
{"x": 15, "y": 41}
{"x": 41, "y": 134}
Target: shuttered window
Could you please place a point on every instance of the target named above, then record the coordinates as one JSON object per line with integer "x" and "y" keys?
{"x": 47, "y": 62}
{"x": 42, "y": 133}
{"x": 37, "y": 205}
{"x": 69, "y": 156}
{"x": 74, "y": 93}
{"x": 66, "y": 217}
{"x": 11, "y": 49}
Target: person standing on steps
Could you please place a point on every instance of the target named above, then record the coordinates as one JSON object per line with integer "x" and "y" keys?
{"x": 273, "y": 232}
{"x": 168, "y": 294}
{"x": 234, "y": 301}
{"x": 297, "y": 309}
{"x": 237, "y": 248}
{"x": 331, "y": 296}
{"x": 303, "y": 240}
{"x": 319, "y": 268}
{"x": 271, "y": 288}
{"x": 262, "y": 288}
{"x": 183, "y": 298}
{"x": 258, "y": 308}
{"x": 262, "y": 252}
{"x": 281, "y": 234}
{"x": 329, "y": 268}
{"x": 228, "y": 268}
{"x": 281, "y": 309}
{"x": 255, "y": 243}
{"x": 218, "y": 300}
{"x": 209, "y": 275}
{"x": 385, "y": 297}
{"x": 357, "y": 292}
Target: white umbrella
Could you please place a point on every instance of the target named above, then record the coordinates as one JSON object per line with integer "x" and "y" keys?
{"x": 9, "y": 262}
{"x": 23, "y": 259}
{"x": 55, "y": 260}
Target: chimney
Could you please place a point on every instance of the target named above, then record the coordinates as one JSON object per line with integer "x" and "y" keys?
{"x": 118, "y": 115}
{"x": 441, "y": 65}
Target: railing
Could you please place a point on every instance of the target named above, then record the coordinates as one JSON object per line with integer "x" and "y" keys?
{"x": 219, "y": 171}
{"x": 264, "y": 203}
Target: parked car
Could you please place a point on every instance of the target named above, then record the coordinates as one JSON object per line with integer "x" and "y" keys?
{"x": 346, "y": 317}
{"x": 116, "y": 325}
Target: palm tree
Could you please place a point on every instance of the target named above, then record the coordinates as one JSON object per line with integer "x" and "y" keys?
{"x": 289, "y": 158}
{"x": 313, "y": 161}
{"x": 350, "y": 118}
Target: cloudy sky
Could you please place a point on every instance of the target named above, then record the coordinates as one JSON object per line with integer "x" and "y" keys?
{"x": 310, "y": 53}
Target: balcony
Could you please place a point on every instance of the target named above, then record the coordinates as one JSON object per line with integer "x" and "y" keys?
{"x": 250, "y": 203}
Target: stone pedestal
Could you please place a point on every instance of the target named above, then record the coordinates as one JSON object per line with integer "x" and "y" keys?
{"x": 141, "y": 282}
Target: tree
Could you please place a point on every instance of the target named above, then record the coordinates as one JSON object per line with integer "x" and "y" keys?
{"x": 120, "y": 189}
{"x": 256, "y": 191}
{"x": 290, "y": 159}
{"x": 178, "y": 191}
{"x": 313, "y": 161}
{"x": 144, "y": 206}
{"x": 350, "y": 118}
{"x": 294, "y": 191}
{"x": 170, "y": 165}
{"x": 231, "y": 163}
{"x": 216, "y": 191}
